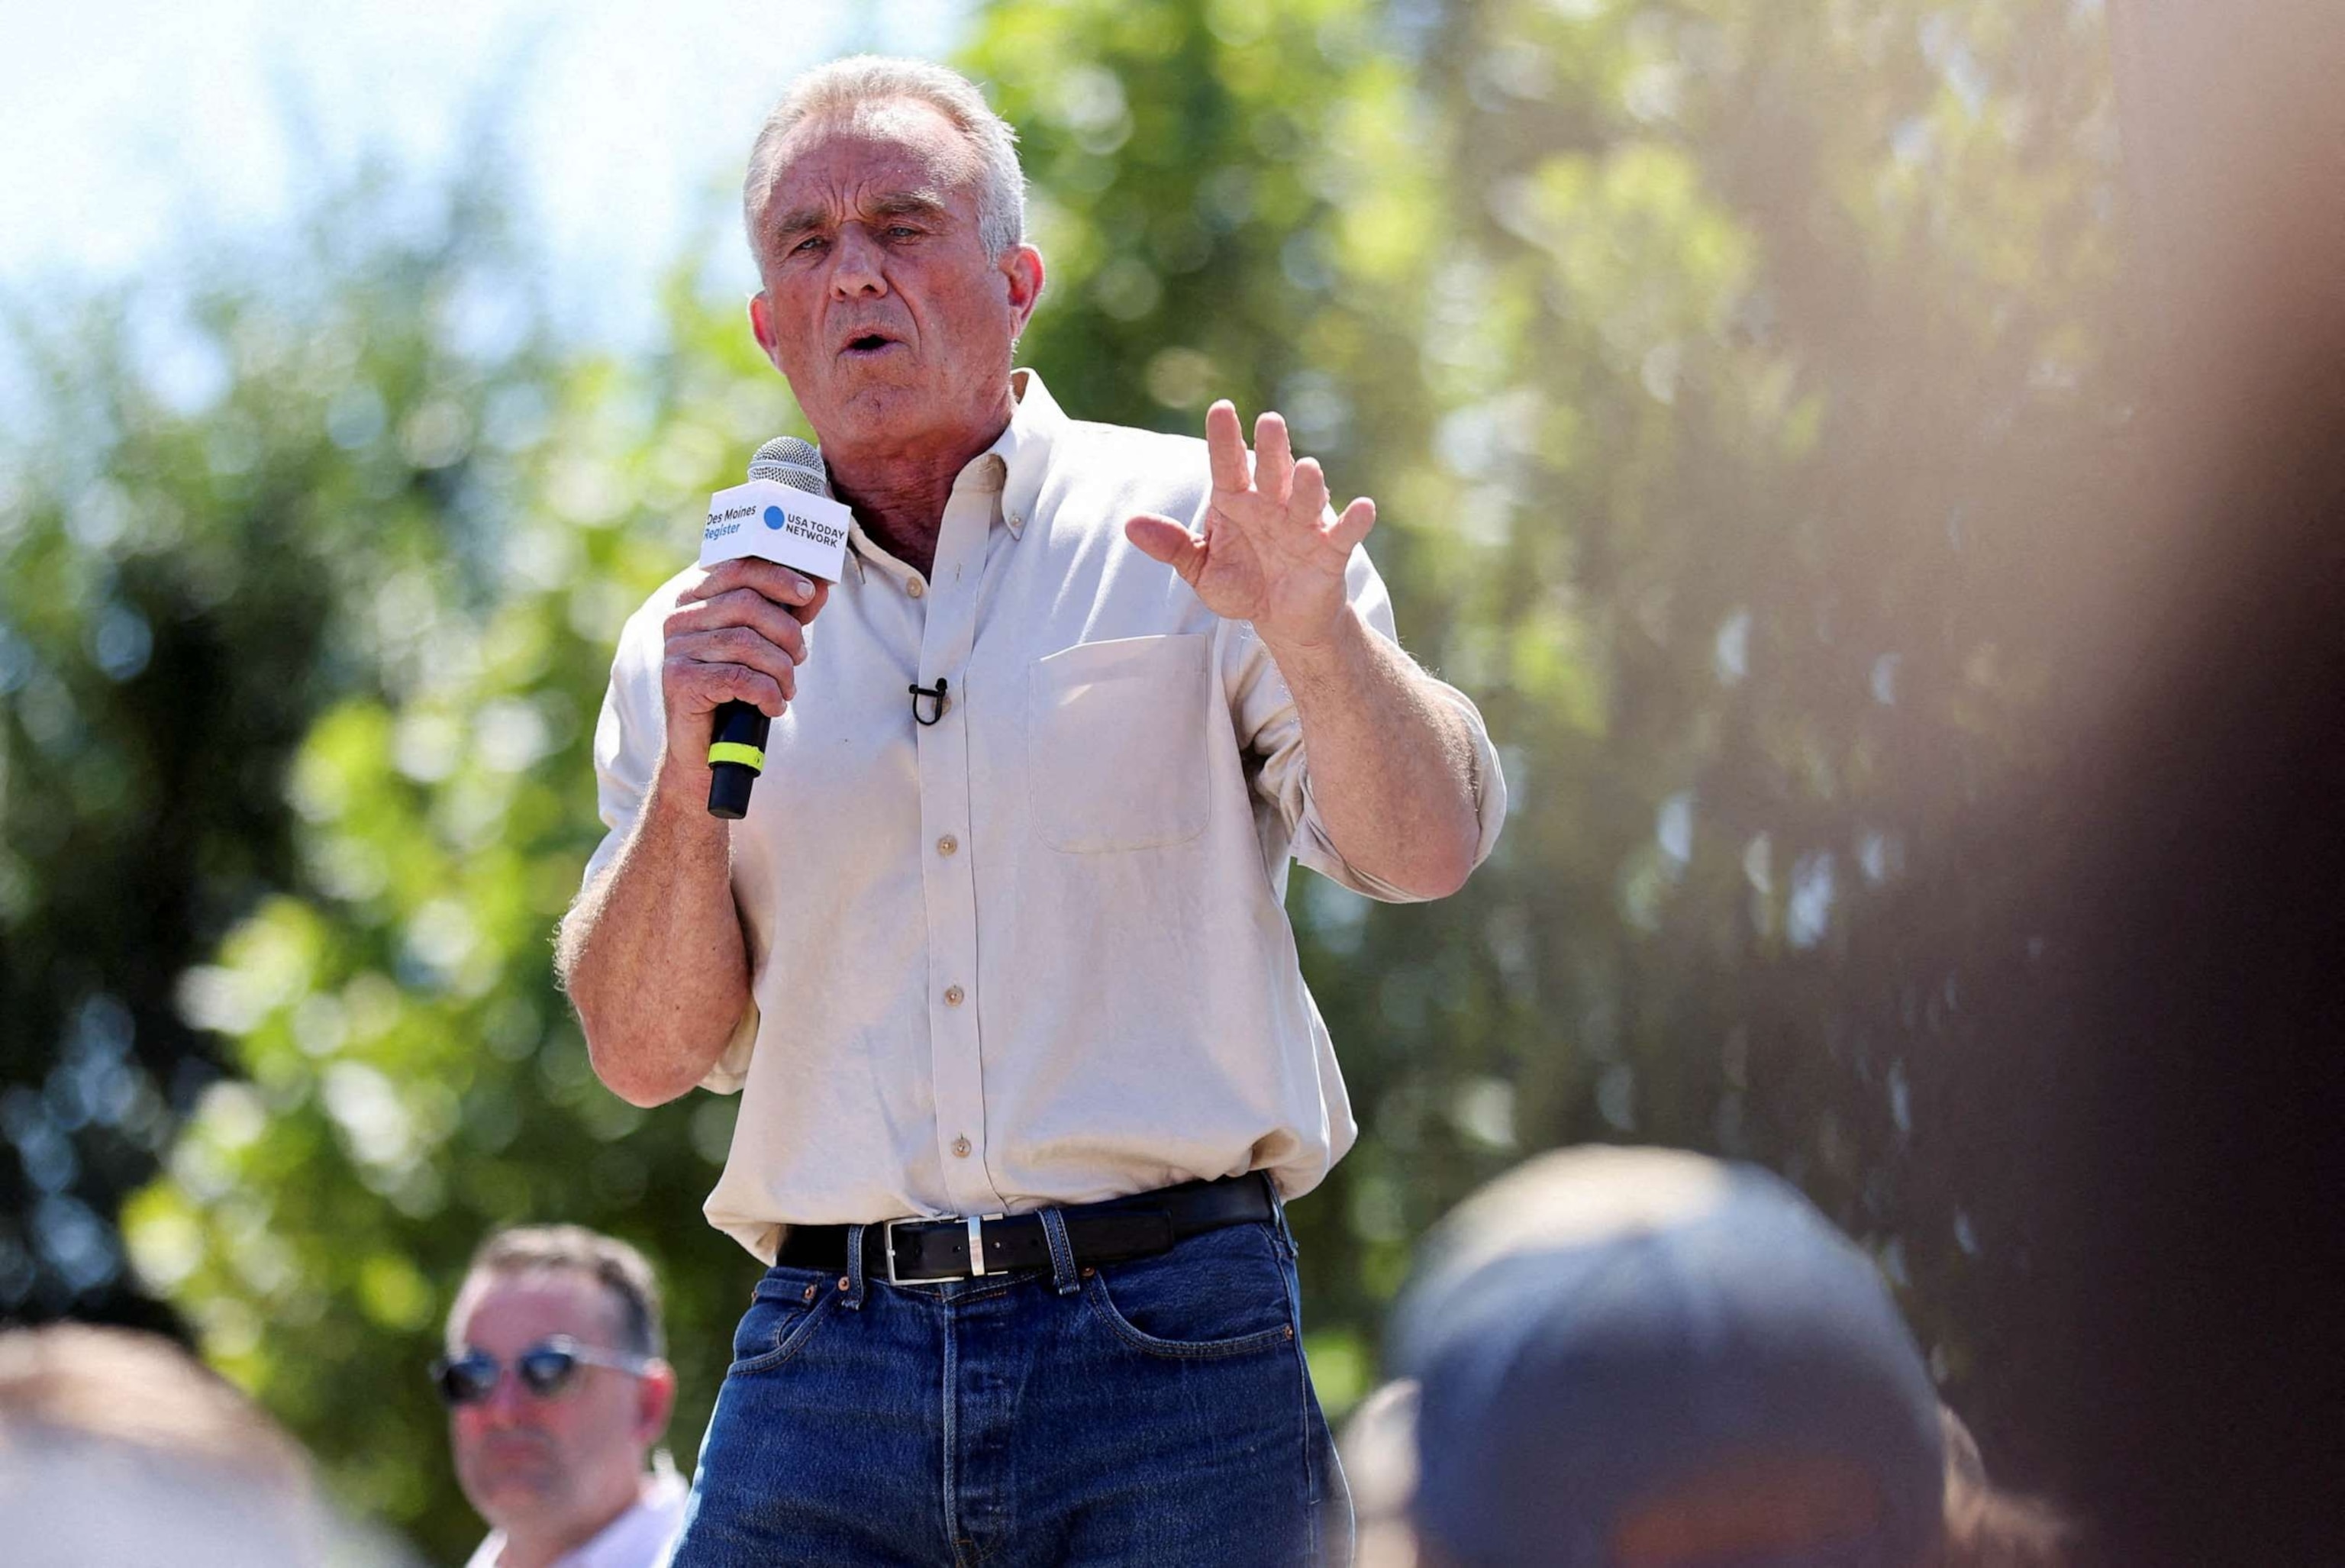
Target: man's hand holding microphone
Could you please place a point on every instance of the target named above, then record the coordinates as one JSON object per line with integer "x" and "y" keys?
{"x": 735, "y": 641}
{"x": 732, "y": 646}
{"x": 737, "y": 635}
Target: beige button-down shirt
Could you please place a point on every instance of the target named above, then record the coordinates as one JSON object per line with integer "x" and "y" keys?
{"x": 1035, "y": 952}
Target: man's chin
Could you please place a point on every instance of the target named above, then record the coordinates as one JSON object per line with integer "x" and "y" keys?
{"x": 513, "y": 1489}
{"x": 877, "y": 410}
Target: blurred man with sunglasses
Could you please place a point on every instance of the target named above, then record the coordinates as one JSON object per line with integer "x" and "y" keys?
{"x": 556, "y": 1393}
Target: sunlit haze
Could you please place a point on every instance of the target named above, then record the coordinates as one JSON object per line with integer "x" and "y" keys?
{"x": 132, "y": 124}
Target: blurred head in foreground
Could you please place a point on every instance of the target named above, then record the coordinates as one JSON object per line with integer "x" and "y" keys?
{"x": 119, "y": 1448}
{"x": 1644, "y": 1358}
{"x": 556, "y": 1390}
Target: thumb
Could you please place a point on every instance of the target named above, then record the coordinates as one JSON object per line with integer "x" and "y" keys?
{"x": 1163, "y": 539}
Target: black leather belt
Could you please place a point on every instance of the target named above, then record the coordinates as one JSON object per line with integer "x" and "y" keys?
{"x": 927, "y": 1251}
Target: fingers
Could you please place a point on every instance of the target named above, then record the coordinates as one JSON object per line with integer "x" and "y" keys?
{"x": 803, "y": 595}
{"x": 1273, "y": 457}
{"x": 813, "y": 606}
{"x": 1354, "y": 524}
{"x": 740, "y": 646}
{"x": 1298, "y": 488}
{"x": 1272, "y": 470}
{"x": 736, "y": 645}
{"x": 1226, "y": 447}
{"x": 1307, "y": 500}
{"x": 693, "y": 690}
{"x": 737, "y": 635}
{"x": 1163, "y": 539}
{"x": 745, "y": 608}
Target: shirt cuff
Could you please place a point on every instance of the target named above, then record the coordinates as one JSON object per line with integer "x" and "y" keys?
{"x": 732, "y": 1068}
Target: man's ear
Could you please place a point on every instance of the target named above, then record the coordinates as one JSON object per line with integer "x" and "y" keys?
{"x": 1022, "y": 267}
{"x": 761, "y": 327}
{"x": 655, "y": 1400}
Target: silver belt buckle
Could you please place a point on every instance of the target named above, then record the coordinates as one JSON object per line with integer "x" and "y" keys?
{"x": 976, "y": 1222}
{"x": 893, "y": 1279}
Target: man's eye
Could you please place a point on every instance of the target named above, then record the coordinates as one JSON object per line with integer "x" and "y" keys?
{"x": 902, "y": 231}
{"x": 807, "y": 245}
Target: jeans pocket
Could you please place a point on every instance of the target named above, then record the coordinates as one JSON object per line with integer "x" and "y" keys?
{"x": 1228, "y": 1292}
{"x": 784, "y": 1310}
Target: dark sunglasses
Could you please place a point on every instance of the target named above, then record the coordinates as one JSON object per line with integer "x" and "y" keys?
{"x": 544, "y": 1369}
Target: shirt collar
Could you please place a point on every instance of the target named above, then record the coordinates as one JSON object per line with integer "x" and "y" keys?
{"x": 1020, "y": 455}
{"x": 634, "y": 1537}
{"x": 1025, "y": 447}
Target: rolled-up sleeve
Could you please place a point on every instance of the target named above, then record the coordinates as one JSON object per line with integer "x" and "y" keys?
{"x": 1269, "y": 727}
{"x": 629, "y": 738}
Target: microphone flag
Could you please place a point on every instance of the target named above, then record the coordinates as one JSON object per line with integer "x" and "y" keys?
{"x": 786, "y": 514}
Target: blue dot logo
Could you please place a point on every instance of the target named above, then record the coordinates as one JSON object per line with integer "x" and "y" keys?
{"x": 773, "y": 516}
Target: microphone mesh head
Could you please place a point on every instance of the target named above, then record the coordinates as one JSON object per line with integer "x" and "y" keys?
{"x": 787, "y": 459}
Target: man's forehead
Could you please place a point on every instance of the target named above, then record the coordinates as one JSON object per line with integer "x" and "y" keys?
{"x": 888, "y": 148}
{"x": 534, "y": 1303}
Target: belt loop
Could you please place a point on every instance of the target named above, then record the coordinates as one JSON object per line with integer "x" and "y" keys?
{"x": 855, "y": 1268}
{"x": 1277, "y": 1212}
{"x": 1064, "y": 1278}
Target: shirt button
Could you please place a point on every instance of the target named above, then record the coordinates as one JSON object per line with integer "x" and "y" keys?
{"x": 953, "y": 994}
{"x": 948, "y": 844}
{"x": 915, "y": 588}
{"x": 960, "y": 1149}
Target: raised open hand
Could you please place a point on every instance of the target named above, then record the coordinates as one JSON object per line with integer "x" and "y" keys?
{"x": 1270, "y": 553}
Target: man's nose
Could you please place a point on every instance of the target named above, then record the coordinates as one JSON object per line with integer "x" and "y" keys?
{"x": 856, "y": 270}
{"x": 508, "y": 1403}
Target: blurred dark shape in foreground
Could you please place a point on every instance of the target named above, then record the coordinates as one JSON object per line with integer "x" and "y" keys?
{"x": 2200, "y": 875}
{"x": 119, "y": 1447}
{"x": 1646, "y": 1359}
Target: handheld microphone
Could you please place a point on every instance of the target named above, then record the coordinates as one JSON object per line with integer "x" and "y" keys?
{"x": 784, "y": 514}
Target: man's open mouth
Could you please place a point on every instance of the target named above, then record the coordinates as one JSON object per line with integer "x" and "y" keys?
{"x": 868, "y": 343}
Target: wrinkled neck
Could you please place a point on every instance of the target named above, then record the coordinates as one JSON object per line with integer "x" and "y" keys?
{"x": 900, "y": 497}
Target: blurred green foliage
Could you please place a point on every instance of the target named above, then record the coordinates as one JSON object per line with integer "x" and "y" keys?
{"x": 1722, "y": 372}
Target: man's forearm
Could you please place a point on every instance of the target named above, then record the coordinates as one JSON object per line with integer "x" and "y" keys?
{"x": 652, "y": 954}
{"x": 1392, "y": 764}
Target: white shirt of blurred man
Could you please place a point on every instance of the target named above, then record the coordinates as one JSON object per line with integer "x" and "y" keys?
{"x": 557, "y": 1394}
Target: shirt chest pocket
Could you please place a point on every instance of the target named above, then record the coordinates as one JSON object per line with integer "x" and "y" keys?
{"x": 1115, "y": 756}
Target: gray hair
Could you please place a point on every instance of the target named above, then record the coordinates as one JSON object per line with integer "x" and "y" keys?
{"x": 624, "y": 1274}
{"x": 844, "y": 87}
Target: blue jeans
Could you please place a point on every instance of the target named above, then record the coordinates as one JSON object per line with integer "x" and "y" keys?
{"x": 1156, "y": 1412}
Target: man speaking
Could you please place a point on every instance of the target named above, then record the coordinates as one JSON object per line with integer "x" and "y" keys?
{"x": 998, "y": 958}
